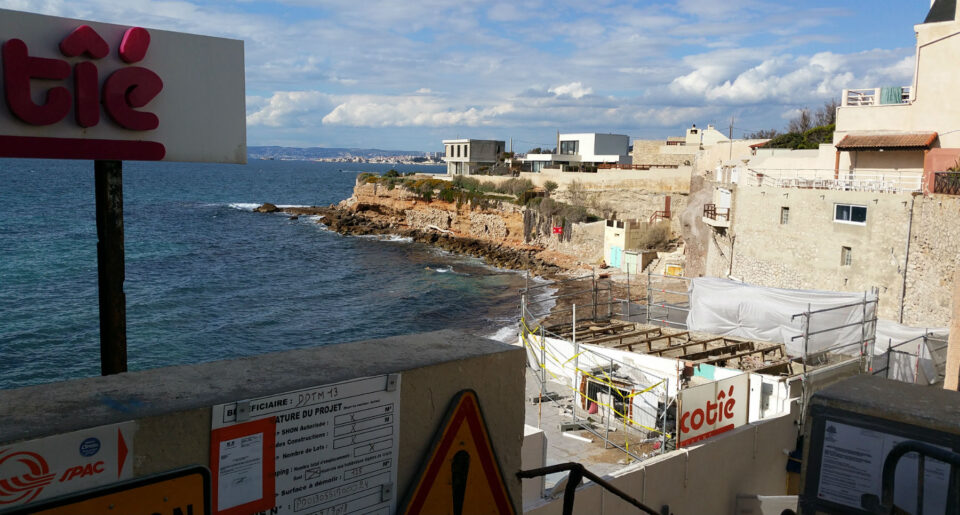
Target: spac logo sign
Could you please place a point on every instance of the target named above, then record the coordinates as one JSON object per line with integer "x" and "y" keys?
{"x": 45, "y": 468}
{"x": 23, "y": 475}
{"x": 714, "y": 408}
{"x": 89, "y": 90}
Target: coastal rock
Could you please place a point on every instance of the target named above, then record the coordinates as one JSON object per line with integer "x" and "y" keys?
{"x": 266, "y": 208}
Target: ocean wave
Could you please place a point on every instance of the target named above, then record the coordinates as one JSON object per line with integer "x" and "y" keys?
{"x": 506, "y": 334}
{"x": 243, "y": 206}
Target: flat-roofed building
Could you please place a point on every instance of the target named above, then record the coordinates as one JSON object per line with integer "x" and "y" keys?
{"x": 469, "y": 156}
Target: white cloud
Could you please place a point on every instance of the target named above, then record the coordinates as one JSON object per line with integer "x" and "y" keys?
{"x": 574, "y": 90}
{"x": 287, "y": 108}
{"x": 791, "y": 80}
{"x": 410, "y": 111}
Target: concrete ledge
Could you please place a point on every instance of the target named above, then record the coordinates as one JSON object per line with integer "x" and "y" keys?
{"x": 53, "y": 408}
{"x": 172, "y": 406}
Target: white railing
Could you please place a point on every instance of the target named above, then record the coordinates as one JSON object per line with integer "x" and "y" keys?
{"x": 883, "y": 181}
{"x": 869, "y": 97}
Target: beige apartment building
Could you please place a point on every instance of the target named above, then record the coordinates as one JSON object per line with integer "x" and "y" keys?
{"x": 872, "y": 210}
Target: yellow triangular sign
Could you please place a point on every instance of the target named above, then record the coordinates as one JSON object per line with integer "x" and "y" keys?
{"x": 461, "y": 475}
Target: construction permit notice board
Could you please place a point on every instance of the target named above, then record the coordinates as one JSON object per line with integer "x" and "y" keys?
{"x": 324, "y": 450}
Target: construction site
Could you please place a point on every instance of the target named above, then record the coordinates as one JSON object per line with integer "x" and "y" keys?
{"x": 617, "y": 376}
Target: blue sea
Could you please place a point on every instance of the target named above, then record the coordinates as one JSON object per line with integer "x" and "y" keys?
{"x": 208, "y": 279}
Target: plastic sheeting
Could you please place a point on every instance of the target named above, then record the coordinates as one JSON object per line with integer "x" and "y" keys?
{"x": 909, "y": 359}
{"x": 730, "y": 308}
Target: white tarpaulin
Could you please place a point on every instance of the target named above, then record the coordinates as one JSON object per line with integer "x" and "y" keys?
{"x": 648, "y": 374}
{"x": 905, "y": 344}
{"x": 729, "y": 308}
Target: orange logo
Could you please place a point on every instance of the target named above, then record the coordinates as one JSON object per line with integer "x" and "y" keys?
{"x": 23, "y": 475}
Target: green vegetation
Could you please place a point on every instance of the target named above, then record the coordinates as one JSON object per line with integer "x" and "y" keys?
{"x": 807, "y": 130}
{"x": 550, "y": 186}
{"x": 655, "y": 236}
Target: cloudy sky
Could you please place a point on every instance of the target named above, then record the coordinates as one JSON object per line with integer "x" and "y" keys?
{"x": 404, "y": 74}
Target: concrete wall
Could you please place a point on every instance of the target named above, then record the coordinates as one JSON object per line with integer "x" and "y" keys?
{"x": 806, "y": 252}
{"x": 586, "y": 242}
{"x": 701, "y": 479}
{"x": 934, "y": 256}
{"x": 172, "y": 406}
{"x": 663, "y": 180}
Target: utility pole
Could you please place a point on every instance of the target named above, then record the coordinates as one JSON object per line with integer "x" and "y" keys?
{"x": 731, "y": 138}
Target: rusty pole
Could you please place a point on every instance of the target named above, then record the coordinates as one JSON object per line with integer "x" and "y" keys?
{"x": 110, "y": 266}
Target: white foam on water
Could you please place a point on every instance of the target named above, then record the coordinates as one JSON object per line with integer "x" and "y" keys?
{"x": 396, "y": 239}
{"x": 244, "y": 206}
{"x": 287, "y": 206}
{"x": 507, "y": 334}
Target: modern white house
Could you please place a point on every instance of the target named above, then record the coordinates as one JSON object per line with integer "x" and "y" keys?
{"x": 468, "y": 156}
{"x": 577, "y": 150}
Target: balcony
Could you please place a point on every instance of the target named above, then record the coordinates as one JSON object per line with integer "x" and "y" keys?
{"x": 875, "y": 97}
{"x": 947, "y": 183}
{"x": 716, "y": 216}
{"x": 875, "y": 180}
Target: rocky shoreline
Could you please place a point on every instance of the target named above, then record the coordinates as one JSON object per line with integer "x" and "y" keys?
{"x": 345, "y": 221}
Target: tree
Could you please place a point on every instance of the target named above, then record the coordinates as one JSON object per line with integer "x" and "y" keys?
{"x": 801, "y": 123}
{"x": 550, "y": 186}
{"x": 763, "y": 134}
{"x": 827, "y": 114}
{"x": 534, "y": 151}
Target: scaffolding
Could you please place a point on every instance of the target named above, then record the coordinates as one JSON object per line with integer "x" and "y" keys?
{"x": 668, "y": 300}
{"x": 588, "y": 341}
{"x": 635, "y": 402}
{"x": 904, "y": 361}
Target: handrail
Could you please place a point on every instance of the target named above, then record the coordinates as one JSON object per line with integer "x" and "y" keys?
{"x": 577, "y": 473}
{"x": 877, "y": 180}
{"x": 924, "y": 450}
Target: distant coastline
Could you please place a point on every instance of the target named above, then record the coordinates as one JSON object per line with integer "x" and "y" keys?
{"x": 344, "y": 155}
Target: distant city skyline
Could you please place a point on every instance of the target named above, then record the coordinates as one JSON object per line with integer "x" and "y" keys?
{"x": 405, "y": 75}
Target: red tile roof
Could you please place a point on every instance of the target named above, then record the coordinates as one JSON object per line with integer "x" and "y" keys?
{"x": 893, "y": 141}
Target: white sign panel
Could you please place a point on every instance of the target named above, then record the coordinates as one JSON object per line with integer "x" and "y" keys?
{"x": 85, "y": 90}
{"x": 852, "y": 465}
{"x": 710, "y": 409}
{"x": 47, "y": 467}
{"x": 328, "y": 449}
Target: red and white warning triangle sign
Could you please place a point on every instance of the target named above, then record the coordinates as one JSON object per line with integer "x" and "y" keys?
{"x": 461, "y": 475}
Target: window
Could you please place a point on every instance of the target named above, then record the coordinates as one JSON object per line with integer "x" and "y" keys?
{"x": 569, "y": 147}
{"x": 458, "y": 150}
{"x": 850, "y": 214}
{"x": 846, "y": 256}
{"x": 784, "y": 215}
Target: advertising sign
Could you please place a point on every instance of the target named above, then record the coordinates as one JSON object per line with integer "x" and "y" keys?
{"x": 47, "y": 467}
{"x": 85, "y": 90}
{"x": 326, "y": 449}
{"x": 710, "y": 409}
{"x": 184, "y": 491}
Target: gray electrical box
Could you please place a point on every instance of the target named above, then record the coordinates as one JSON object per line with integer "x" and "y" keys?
{"x": 850, "y": 429}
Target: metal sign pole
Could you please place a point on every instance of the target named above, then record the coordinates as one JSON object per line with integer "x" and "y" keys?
{"x": 110, "y": 266}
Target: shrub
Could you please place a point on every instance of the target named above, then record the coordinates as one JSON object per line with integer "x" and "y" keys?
{"x": 655, "y": 236}
{"x": 487, "y": 187}
{"x": 515, "y": 186}
{"x": 550, "y": 186}
{"x": 392, "y": 173}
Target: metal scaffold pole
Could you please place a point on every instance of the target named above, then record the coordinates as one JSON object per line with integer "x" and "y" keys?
{"x": 543, "y": 373}
{"x": 628, "y": 295}
{"x": 576, "y": 365}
